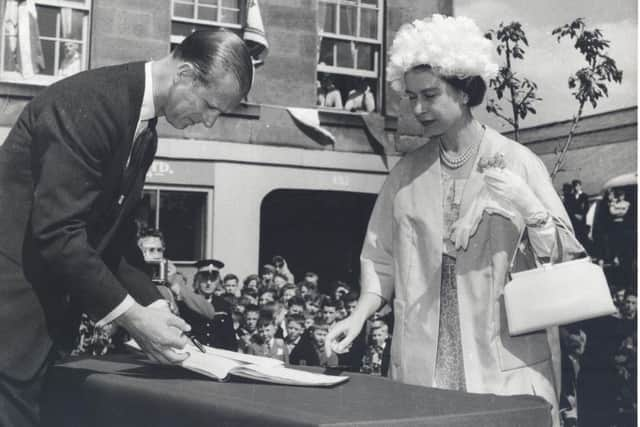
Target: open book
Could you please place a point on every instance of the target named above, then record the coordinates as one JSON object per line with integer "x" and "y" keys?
{"x": 221, "y": 364}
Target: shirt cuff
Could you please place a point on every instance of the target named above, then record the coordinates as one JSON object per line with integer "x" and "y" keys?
{"x": 120, "y": 309}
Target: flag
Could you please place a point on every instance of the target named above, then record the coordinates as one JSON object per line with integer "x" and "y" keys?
{"x": 374, "y": 128}
{"x": 254, "y": 34}
{"x": 308, "y": 121}
{"x": 30, "y": 56}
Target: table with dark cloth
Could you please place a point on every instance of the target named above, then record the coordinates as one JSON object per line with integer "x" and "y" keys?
{"x": 124, "y": 391}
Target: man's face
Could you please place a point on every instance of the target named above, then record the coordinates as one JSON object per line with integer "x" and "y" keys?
{"x": 152, "y": 249}
{"x": 351, "y": 305}
{"x": 279, "y": 281}
{"x": 288, "y": 294}
{"x": 208, "y": 282}
{"x": 251, "y": 320}
{"x": 294, "y": 330}
{"x": 329, "y": 314}
{"x": 296, "y": 309}
{"x": 378, "y": 336}
{"x": 190, "y": 101}
{"x": 308, "y": 322}
{"x": 319, "y": 335}
{"x": 265, "y": 298}
{"x": 312, "y": 308}
{"x": 266, "y": 331}
{"x": 230, "y": 286}
{"x": 630, "y": 306}
{"x": 267, "y": 276}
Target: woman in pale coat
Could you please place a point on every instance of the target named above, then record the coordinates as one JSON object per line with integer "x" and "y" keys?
{"x": 446, "y": 225}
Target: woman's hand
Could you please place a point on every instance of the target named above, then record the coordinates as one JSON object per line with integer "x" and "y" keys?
{"x": 342, "y": 334}
{"x": 510, "y": 187}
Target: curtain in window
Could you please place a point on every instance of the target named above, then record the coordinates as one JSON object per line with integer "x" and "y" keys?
{"x": 22, "y": 38}
{"x": 71, "y": 62}
{"x": 254, "y": 34}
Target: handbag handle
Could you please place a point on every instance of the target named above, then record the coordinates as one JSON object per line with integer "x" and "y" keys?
{"x": 554, "y": 248}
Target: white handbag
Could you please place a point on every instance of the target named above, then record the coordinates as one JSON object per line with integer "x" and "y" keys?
{"x": 556, "y": 294}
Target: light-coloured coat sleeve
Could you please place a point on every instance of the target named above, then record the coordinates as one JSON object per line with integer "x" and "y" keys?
{"x": 376, "y": 259}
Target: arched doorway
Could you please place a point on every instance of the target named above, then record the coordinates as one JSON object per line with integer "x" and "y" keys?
{"x": 314, "y": 230}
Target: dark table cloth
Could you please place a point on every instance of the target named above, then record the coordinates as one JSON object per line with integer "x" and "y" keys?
{"x": 123, "y": 391}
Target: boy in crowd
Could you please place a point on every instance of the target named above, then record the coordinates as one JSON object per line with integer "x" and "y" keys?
{"x": 295, "y": 330}
{"x": 251, "y": 316}
{"x": 287, "y": 292}
{"x": 372, "y": 361}
{"x": 230, "y": 284}
{"x": 329, "y": 312}
{"x": 295, "y": 306}
{"x": 266, "y": 344}
{"x": 310, "y": 349}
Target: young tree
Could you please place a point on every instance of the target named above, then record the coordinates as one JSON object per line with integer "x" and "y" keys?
{"x": 521, "y": 91}
{"x": 589, "y": 83}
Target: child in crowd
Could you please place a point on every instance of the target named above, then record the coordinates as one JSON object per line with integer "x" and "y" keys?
{"x": 372, "y": 360}
{"x": 310, "y": 349}
{"x": 266, "y": 344}
{"x": 295, "y": 330}
{"x": 251, "y": 316}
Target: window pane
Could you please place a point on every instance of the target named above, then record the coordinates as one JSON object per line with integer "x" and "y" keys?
{"x": 230, "y": 16}
{"x": 369, "y": 23}
{"x": 183, "y": 10}
{"x": 207, "y": 13}
{"x": 348, "y": 16}
{"x": 182, "y": 221}
{"x": 326, "y": 51}
{"x": 210, "y": 2}
{"x": 327, "y": 17}
{"x": 11, "y": 53}
{"x": 184, "y": 29}
{"x": 234, "y": 4}
{"x": 48, "y": 49}
{"x": 366, "y": 56}
{"x": 77, "y": 23}
{"x": 345, "y": 54}
{"x": 47, "y": 18}
{"x": 70, "y": 58}
{"x": 372, "y": 2}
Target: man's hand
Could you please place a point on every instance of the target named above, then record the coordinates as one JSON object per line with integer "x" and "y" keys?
{"x": 157, "y": 331}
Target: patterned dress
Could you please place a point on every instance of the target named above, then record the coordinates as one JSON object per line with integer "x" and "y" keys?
{"x": 449, "y": 362}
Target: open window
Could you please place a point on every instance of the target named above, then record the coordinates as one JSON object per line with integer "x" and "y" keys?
{"x": 44, "y": 40}
{"x": 349, "y": 54}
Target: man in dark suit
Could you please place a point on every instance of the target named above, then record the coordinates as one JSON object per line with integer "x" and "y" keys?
{"x": 209, "y": 315}
{"x": 71, "y": 171}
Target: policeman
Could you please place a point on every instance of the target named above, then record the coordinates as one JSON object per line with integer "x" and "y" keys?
{"x": 209, "y": 315}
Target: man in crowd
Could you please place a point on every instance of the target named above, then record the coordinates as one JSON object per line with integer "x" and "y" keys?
{"x": 72, "y": 170}
{"x": 230, "y": 284}
{"x": 209, "y": 315}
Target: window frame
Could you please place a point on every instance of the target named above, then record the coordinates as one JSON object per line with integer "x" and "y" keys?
{"x": 175, "y": 39}
{"x": 16, "y": 77}
{"x": 334, "y": 69}
{"x": 208, "y": 232}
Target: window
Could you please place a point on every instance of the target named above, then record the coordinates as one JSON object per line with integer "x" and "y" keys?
{"x": 349, "y": 53}
{"x": 188, "y": 16}
{"x": 57, "y": 49}
{"x": 182, "y": 216}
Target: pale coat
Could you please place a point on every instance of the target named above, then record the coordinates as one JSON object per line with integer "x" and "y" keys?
{"x": 401, "y": 262}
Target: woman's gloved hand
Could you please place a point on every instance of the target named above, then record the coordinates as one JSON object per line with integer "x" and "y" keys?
{"x": 510, "y": 187}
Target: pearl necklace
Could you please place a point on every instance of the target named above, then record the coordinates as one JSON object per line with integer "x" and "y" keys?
{"x": 459, "y": 161}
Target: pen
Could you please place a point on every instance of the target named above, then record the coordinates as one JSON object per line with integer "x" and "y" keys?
{"x": 195, "y": 342}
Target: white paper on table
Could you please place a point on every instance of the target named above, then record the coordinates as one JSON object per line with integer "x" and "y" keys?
{"x": 219, "y": 364}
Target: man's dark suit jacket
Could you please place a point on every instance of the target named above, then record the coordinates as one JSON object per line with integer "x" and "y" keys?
{"x": 61, "y": 169}
{"x": 217, "y": 332}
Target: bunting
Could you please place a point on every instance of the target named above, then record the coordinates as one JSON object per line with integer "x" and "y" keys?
{"x": 308, "y": 121}
{"x": 254, "y": 34}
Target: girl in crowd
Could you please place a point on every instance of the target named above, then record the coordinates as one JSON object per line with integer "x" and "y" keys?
{"x": 446, "y": 223}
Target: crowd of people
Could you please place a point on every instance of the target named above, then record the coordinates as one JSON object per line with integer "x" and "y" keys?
{"x": 599, "y": 357}
{"x": 268, "y": 314}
